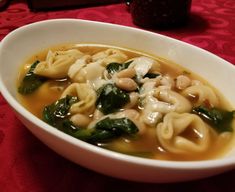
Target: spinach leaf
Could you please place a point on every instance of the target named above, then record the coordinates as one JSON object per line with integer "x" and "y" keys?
{"x": 116, "y": 67}
{"x": 98, "y": 135}
{"x": 105, "y": 130}
{"x": 91, "y": 135}
{"x": 151, "y": 75}
{"x": 31, "y": 81}
{"x": 219, "y": 119}
{"x": 55, "y": 113}
{"x": 111, "y": 98}
{"x": 108, "y": 129}
{"x": 119, "y": 125}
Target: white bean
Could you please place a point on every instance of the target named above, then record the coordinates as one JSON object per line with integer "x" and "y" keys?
{"x": 182, "y": 82}
{"x": 126, "y": 84}
{"x": 128, "y": 73}
{"x": 80, "y": 120}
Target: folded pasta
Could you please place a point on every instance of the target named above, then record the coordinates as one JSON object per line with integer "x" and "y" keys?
{"x": 202, "y": 93}
{"x": 86, "y": 97}
{"x": 176, "y": 130}
{"x": 57, "y": 63}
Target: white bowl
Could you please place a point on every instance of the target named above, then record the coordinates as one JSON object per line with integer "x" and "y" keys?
{"x": 27, "y": 40}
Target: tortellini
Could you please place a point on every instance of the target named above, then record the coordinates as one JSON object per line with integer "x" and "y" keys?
{"x": 176, "y": 130}
{"x": 86, "y": 96}
{"x": 150, "y": 115}
{"x": 86, "y": 71}
{"x": 160, "y": 101}
{"x": 110, "y": 56}
{"x": 172, "y": 101}
{"x": 202, "y": 93}
{"x": 74, "y": 70}
{"x": 57, "y": 63}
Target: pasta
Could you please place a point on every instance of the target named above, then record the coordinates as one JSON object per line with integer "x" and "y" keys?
{"x": 110, "y": 56}
{"x": 202, "y": 93}
{"x": 172, "y": 101}
{"x": 57, "y": 63}
{"x": 169, "y": 133}
{"x": 86, "y": 96}
{"x": 75, "y": 70}
{"x": 86, "y": 71}
{"x": 129, "y": 102}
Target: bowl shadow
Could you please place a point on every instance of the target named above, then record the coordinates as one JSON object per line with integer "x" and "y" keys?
{"x": 196, "y": 24}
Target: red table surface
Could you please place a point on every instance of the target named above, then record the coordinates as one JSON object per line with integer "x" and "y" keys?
{"x": 26, "y": 164}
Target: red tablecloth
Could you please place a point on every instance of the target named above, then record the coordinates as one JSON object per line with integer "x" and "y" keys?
{"x": 28, "y": 165}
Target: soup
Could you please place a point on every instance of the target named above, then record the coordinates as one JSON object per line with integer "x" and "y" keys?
{"x": 127, "y": 101}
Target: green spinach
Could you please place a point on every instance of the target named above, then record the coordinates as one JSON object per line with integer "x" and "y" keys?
{"x": 105, "y": 130}
{"x": 111, "y": 98}
{"x": 219, "y": 119}
{"x": 116, "y": 67}
{"x": 55, "y": 113}
{"x": 31, "y": 81}
{"x": 90, "y": 135}
{"x": 119, "y": 125}
{"x": 151, "y": 75}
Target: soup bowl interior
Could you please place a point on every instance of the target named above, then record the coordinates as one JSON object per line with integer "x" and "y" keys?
{"x": 26, "y": 41}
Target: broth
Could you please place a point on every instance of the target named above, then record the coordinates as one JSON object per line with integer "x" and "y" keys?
{"x": 145, "y": 144}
